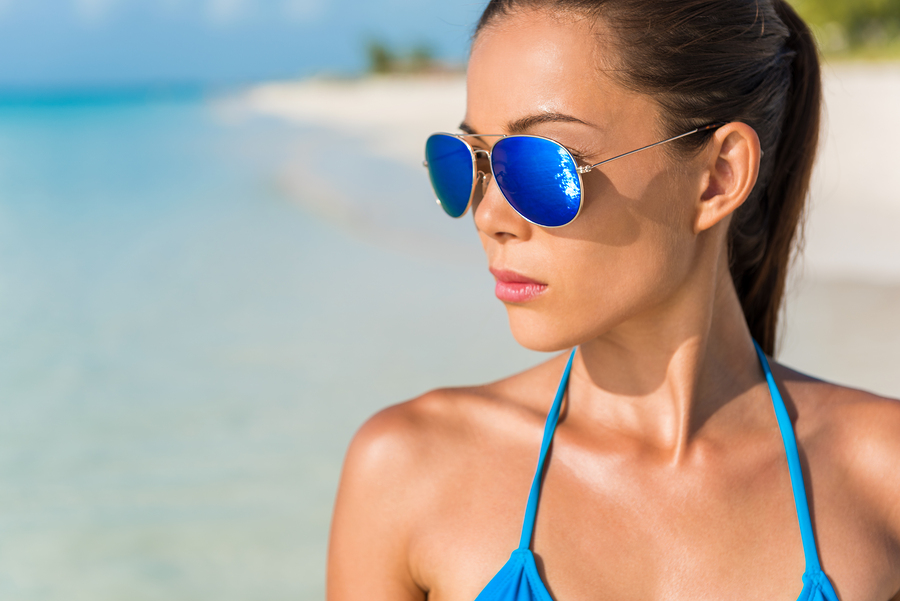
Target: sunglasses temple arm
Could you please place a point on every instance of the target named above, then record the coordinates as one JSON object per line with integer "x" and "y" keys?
{"x": 583, "y": 170}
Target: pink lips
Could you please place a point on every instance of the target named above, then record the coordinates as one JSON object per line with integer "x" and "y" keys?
{"x": 516, "y": 288}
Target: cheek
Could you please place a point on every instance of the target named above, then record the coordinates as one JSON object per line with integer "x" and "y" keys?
{"x": 636, "y": 235}
{"x": 630, "y": 249}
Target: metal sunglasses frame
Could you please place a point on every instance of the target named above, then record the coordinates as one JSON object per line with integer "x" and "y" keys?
{"x": 580, "y": 169}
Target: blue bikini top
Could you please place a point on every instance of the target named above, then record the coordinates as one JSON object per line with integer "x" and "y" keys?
{"x": 519, "y": 580}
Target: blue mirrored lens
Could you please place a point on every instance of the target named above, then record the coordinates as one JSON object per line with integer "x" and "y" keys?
{"x": 539, "y": 178}
{"x": 451, "y": 168}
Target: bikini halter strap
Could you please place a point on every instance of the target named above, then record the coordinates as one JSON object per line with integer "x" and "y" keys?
{"x": 793, "y": 460}
{"x": 549, "y": 428}
{"x": 787, "y": 436}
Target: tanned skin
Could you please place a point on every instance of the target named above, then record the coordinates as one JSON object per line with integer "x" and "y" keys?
{"x": 667, "y": 478}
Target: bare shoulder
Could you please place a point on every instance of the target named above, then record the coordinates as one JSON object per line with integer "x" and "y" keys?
{"x": 408, "y": 461}
{"x": 856, "y": 432}
{"x": 417, "y": 440}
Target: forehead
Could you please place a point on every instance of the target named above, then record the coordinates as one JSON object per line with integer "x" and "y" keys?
{"x": 530, "y": 62}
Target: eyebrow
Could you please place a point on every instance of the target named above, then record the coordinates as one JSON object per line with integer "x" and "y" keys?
{"x": 525, "y": 123}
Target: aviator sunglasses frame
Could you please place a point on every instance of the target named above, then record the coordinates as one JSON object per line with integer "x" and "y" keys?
{"x": 580, "y": 170}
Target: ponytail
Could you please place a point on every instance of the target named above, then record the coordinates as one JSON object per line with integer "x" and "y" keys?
{"x": 759, "y": 275}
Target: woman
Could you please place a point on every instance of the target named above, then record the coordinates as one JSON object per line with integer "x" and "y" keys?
{"x": 671, "y": 476}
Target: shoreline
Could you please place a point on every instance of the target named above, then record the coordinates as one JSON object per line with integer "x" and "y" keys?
{"x": 391, "y": 115}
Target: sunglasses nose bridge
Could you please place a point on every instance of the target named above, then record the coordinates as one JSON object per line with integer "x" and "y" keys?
{"x": 482, "y": 159}
{"x": 483, "y": 170}
{"x": 480, "y": 188}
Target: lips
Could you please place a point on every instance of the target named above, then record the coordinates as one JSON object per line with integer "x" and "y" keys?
{"x": 514, "y": 287}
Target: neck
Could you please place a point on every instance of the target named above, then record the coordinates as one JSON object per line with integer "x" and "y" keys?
{"x": 660, "y": 377}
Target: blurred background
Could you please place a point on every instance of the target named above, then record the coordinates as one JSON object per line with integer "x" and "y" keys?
{"x": 219, "y": 254}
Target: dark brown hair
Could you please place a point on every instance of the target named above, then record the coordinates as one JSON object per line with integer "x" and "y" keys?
{"x": 709, "y": 61}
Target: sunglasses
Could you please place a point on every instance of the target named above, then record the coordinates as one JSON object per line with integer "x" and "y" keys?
{"x": 537, "y": 176}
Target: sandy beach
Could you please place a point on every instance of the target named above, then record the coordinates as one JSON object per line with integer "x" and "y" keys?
{"x": 842, "y": 314}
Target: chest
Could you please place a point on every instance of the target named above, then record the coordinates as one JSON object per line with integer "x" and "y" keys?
{"x": 668, "y": 538}
{"x": 607, "y": 530}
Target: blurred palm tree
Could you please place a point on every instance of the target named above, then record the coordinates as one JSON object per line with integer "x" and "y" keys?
{"x": 383, "y": 59}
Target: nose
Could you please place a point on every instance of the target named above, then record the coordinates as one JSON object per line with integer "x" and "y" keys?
{"x": 494, "y": 216}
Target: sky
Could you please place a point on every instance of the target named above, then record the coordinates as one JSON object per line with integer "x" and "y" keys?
{"x": 109, "y": 43}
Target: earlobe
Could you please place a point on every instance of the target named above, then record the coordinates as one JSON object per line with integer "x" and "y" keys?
{"x": 729, "y": 175}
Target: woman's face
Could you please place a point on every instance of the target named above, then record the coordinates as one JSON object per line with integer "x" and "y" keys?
{"x": 633, "y": 247}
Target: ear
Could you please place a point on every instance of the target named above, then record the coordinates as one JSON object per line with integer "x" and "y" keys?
{"x": 729, "y": 174}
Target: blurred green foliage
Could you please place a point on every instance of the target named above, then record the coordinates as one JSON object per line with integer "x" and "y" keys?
{"x": 854, "y": 28}
{"x": 383, "y": 59}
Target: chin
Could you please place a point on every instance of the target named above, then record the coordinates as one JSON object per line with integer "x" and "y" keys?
{"x": 538, "y": 333}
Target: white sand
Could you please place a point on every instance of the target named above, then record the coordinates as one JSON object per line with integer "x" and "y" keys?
{"x": 392, "y": 115}
{"x": 855, "y": 203}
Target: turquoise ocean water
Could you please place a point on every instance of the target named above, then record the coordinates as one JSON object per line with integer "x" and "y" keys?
{"x": 196, "y": 311}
